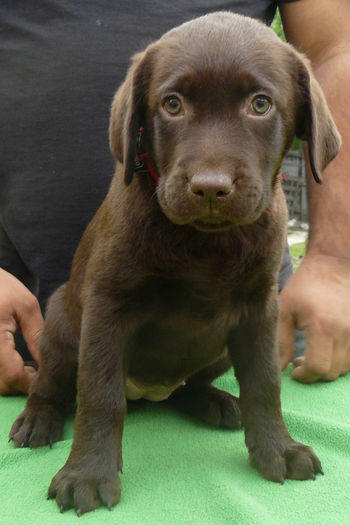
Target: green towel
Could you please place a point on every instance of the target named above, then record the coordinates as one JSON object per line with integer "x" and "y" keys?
{"x": 177, "y": 471}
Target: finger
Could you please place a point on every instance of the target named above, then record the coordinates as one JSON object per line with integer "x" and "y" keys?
{"x": 31, "y": 322}
{"x": 339, "y": 360}
{"x": 15, "y": 377}
{"x": 28, "y": 375}
{"x": 286, "y": 340}
{"x": 299, "y": 361}
{"x": 346, "y": 366}
{"x": 21, "y": 385}
{"x": 6, "y": 389}
{"x": 317, "y": 362}
{"x": 304, "y": 374}
{"x": 7, "y": 349}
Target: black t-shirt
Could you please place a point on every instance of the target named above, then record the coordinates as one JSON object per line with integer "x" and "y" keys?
{"x": 61, "y": 62}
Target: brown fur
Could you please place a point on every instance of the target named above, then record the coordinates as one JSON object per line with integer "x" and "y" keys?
{"x": 172, "y": 283}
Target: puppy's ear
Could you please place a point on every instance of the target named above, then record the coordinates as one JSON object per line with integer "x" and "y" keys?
{"x": 314, "y": 122}
{"x": 128, "y": 113}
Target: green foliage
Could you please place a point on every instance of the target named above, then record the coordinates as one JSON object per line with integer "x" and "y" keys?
{"x": 297, "y": 144}
{"x": 277, "y": 26}
{"x": 297, "y": 252}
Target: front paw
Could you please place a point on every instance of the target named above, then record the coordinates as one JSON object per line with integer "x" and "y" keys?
{"x": 293, "y": 461}
{"x": 38, "y": 425}
{"x": 84, "y": 490}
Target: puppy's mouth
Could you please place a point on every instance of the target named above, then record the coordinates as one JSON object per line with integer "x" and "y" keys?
{"x": 211, "y": 225}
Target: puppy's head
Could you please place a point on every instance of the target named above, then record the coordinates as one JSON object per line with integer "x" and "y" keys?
{"x": 220, "y": 99}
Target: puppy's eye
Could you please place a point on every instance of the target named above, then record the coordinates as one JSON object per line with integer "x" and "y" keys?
{"x": 172, "y": 105}
{"x": 260, "y": 105}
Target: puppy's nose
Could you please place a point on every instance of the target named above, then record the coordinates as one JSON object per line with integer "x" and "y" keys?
{"x": 211, "y": 185}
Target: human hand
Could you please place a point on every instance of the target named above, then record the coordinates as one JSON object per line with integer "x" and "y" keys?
{"x": 19, "y": 310}
{"x": 316, "y": 299}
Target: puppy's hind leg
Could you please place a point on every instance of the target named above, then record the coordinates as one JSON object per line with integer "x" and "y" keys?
{"x": 53, "y": 390}
{"x": 201, "y": 399}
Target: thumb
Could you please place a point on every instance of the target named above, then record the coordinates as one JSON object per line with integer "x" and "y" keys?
{"x": 31, "y": 322}
{"x": 14, "y": 377}
{"x": 24, "y": 378}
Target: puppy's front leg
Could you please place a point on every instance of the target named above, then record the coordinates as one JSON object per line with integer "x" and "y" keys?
{"x": 90, "y": 475}
{"x": 253, "y": 350}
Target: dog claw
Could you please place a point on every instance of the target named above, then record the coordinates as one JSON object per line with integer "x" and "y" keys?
{"x": 282, "y": 482}
{"x": 50, "y": 444}
{"x": 10, "y": 439}
{"x": 61, "y": 509}
{"x": 78, "y": 513}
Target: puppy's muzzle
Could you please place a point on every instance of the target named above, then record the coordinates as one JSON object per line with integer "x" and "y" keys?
{"x": 211, "y": 187}
{"x": 211, "y": 192}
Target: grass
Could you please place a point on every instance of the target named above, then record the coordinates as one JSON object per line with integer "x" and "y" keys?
{"x": 297, "y": 251}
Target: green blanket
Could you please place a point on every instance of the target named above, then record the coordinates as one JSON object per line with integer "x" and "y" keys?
{"x": 177, "y": 471}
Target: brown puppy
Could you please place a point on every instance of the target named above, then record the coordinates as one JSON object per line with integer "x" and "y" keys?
{"x": 171, "y": 272}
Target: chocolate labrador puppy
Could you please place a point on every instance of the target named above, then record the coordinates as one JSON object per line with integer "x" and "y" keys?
{"x": 175, "y": 278}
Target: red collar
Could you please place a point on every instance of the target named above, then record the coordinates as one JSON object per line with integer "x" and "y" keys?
{"x": 143, "y": 162}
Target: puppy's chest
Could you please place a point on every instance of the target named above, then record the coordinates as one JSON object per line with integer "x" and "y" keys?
{"x": 172, "y": 301}
{"x": 181, "y": 329}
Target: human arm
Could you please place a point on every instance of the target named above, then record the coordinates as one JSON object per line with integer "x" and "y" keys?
{"x": 19, "y": 310}
{"x": 317, "y": 297}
